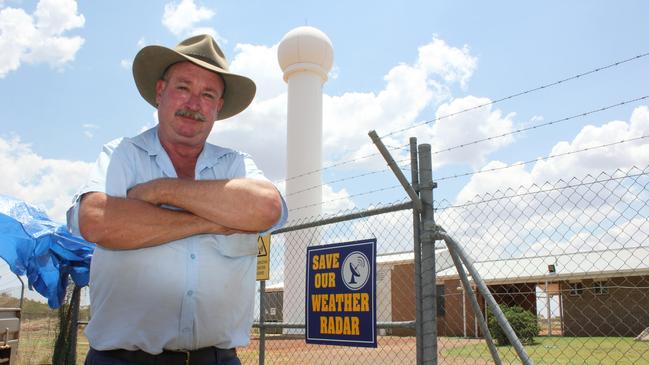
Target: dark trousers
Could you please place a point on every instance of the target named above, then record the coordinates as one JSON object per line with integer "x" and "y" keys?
{"x": 123, "y": 357}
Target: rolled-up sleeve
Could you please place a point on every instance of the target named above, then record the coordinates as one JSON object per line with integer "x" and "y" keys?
{"x": 109, "y": 175}
{"x": 248, "y": 168}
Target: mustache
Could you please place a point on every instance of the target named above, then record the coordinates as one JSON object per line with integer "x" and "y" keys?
{"x": 191, "y": 114}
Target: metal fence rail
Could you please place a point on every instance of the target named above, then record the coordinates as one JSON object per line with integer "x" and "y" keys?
{"x": 574, "y": 253}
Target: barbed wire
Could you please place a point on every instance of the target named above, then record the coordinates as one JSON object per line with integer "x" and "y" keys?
{"x": 482, "y": 171}
{"x": 520, "y": 130}
{"x": 545, "y": 86}
{"x": 518, "y": 195}
{"x": 335, "y": 165}
{"x": 344, "y": 179}
{"x": 540, "y": 158}
{"x": 405, "y": 146}
{"x": 346, "y": 197}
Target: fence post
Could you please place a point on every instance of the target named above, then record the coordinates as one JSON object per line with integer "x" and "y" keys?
{"x": 262, "y": 327}
{"x": 75, "y": 303}
{"x": 428, "y": 277}
{"x": 417, "y": 209}
{"x": 474, "y": 304}
{"x": 416, "y": 222}
{"x": 489, "y": 299}
{"x": 396, "y": 170}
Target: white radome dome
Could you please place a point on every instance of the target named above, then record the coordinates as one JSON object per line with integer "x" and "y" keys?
{"x": 303, "y": 48}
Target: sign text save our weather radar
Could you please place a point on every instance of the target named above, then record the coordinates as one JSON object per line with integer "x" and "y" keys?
{"x": 340, "y": 294}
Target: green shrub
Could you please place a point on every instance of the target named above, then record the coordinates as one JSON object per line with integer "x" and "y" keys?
{"x": 522, "y": 321}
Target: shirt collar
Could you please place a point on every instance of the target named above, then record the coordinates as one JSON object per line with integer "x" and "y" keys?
{"x": 210, "y": 155}
{"x": 149, "y": 141}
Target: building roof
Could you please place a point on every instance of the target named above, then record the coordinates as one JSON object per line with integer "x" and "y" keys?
{"x": 442, "y": 255}
{"x": 570, "y": 266}
{"x": 443, "y": 261}
{"x": 395, "y": 258}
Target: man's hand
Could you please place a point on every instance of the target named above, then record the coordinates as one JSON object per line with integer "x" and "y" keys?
{"x": 124, "y": 223}
{"x": 243, "y": 205}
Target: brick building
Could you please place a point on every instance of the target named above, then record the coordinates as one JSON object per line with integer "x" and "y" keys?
{"x": 596, "y": 293}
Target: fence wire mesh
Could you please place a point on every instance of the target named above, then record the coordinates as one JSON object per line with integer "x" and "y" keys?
{"x": 573, "y": 254}
{"x": 395, "y": 291}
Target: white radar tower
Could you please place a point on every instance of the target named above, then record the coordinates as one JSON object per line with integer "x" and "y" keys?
{"x": 305, "y": 55}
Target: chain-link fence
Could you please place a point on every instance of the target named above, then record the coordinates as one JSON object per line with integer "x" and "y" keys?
{"x": 573, "y": 255}
{"x": 34, "y": 342}
{"x": 394, "y": 291}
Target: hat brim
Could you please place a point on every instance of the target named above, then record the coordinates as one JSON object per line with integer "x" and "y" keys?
{"x": 150, "y": 63}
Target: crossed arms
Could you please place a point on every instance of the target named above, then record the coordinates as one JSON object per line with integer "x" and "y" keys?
{"x": 207, "y": 206}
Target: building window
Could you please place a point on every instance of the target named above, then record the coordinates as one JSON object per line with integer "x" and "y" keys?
{"x": 575, "y": 288}
{"x": 441, "y": 311}
{"x": 600, "y": 288}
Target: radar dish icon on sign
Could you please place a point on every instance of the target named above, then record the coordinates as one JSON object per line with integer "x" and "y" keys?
{"x": 355, "y": 270}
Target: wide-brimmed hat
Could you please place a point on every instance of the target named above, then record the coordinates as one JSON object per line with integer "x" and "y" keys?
{"x": 152, "y": 61}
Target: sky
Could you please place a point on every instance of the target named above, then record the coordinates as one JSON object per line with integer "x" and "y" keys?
{"x": 66, "y": 88}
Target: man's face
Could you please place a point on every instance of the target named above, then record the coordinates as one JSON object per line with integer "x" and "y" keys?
{"x": 189, "y": 99}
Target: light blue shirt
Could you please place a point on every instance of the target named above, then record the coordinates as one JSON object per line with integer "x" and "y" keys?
{"x": 186, "y": 294}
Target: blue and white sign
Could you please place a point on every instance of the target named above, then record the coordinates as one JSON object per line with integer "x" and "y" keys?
{"x": 341, "y": 294}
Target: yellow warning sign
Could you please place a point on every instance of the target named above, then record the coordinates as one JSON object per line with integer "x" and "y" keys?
{"x": 263, "y": 257}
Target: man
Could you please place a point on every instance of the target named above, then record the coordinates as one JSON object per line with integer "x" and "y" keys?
{"x": 176, "y": 219}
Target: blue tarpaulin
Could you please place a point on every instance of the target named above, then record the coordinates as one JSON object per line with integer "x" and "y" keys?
{"x": 35, "y": 246}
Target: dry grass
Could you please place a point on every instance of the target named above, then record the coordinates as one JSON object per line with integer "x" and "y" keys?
{"x": 37, "y": 338}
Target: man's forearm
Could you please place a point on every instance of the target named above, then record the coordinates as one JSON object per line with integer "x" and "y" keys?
{"x": 122, "y": 223}
{"x": 244, "y": 204}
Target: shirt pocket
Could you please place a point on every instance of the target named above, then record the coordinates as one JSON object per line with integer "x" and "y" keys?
{"x": 236, "y": 245}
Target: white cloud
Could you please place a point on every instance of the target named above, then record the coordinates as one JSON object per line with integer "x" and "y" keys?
{"x": 473, "y": 125}
{"x": 126, "y": 64}
{"x": 618, "y": 156}
{"x": 451, "y": 63}
{"x": 181, "y": 19}
{"x": 261, "y": 129}
{"x": 54, "y": 17}
{"x": 335, "y": 201}
{"x": 39, "y": 38}
{"x": 260, "y": 64}
{"x": 570, "y": 203}
{"x": 152, "y": 123}
{"x": 334, "y": 73}
{"x": 207, "y": 30}
{"x": 482, "y": 183}
{"x": 623, "y": 155}
{"x": 409, "y": 89}
{"x": 46, "y": 183}
{"x": 88, "y": 130}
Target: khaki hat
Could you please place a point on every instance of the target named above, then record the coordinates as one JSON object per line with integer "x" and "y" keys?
{"x": 152, "y": 61}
